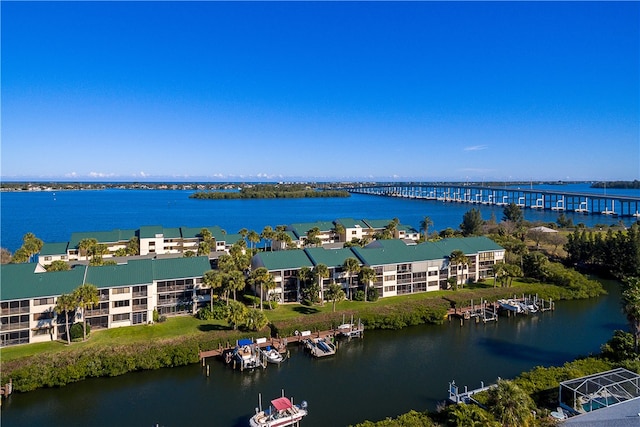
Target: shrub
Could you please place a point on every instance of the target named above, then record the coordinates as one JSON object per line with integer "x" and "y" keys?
{"x": 251, "y": 300}
{"x": 76, "y": 331}
{"x": 372, "y": 295}
{"x": 156, "y": 315}
{"x": 358, "y": 295}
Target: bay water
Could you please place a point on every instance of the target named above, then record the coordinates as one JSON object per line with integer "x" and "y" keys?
{"x": 384, "y": 374}
{"x": 53, "y": 216}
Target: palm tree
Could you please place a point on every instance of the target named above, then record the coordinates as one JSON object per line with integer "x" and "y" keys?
{"x": 268, "y": 234}
{"x": 243, "y": 232}
{"x": 366, "y": 276}
{"x": 509, "y": 404}
{"x": 234, "y": 282}
{"x": 631, "y": 307}
{"x": 339, "y": 230}
{"x": 254, "y": 238}
{"x": 312, "y": 238}
{"x": 86, "y": 297}
{"x": 85, "y": 246}
{"x": 457, "y": 259}
{"x": 31, "y": 244}
{"x": 424, "y": 226}
{"x": 213, "y": 280}
{"x": 321, "y": 271}
{"x": 462, "y": 414}
{"x": 499, "y": 274}
{"x": 256, "y": 320}
{"x": 261, "y": 277}
{"x": 64, "y": 304}
{"x": 351, "y": 266}
{"x": 133, "y": 246}
{"x": 204, "y": 248}
{"x": 335, "y": 294}
{"x": 237, "y": 314}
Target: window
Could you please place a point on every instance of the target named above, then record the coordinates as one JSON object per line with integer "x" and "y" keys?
{"x": 117, "y": 304}
{"x": 139, "y": 318}
{"x": 47, "y": 258}
{"x": 43, "y": 301}
{"x": 120, "y": 317}
{"x": 117, "y": 291}
{"x": 354, "y": 232}
{"x": 42, "y": 331}
{"x": 389, "y": 288}
{"x": 389, "y": 278}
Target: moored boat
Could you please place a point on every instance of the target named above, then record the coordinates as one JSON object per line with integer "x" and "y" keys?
{"x": 510, "y": 305}
{"x": 272, "y": 355}
{"x": 281, "y": 413}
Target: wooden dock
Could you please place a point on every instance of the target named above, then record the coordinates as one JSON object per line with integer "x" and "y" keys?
{"x": 456, "y": 396}
{"x": 488, "y": 312}
{"x": 278, "y": 343}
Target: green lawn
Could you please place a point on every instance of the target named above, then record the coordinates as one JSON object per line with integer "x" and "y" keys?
{"x": 184, "y": 326}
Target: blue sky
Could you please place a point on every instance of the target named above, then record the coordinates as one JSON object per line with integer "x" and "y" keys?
{"x": 214, "y": 91}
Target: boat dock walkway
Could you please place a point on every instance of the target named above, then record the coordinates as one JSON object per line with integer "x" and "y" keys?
{"x": 488, "y": 311}
{"x": 278, "y": 343}
{"x": 456, "y": 396}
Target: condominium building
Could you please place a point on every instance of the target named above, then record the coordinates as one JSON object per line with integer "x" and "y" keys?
{"x": 128, "y": 293}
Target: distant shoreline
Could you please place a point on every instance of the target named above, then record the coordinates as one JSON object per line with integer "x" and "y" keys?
{"x": 19, "y": 186}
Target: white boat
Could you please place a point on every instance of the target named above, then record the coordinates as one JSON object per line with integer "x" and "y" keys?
{"x": 511, "y": 305}
{"x": 282, "y": 412}
{"x": 272, "y": 355}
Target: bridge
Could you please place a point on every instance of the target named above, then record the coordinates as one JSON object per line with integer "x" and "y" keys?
{"x": 561, "y": 201}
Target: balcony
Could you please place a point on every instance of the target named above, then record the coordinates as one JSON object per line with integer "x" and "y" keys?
{"x": 14, "y": 310}
{"x": 14, "y": 326}
{"x": 97, "y": 312}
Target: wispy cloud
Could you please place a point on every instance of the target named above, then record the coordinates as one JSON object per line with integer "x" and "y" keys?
{"x": 476, "y": 148}
{"x": 101, "y": 175}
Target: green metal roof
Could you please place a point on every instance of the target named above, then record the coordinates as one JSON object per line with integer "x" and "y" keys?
{"x": 178, "y": 268}
{"x": 150, "y": 231}
{"x": 230, "y": 239}
{"x": 330, "y": 257}
{"x": 134, "y": 272}
{"x": 470, "y": 245}
{"x": 19, "y": 281}
{"x": 172, "y": 233}
{"x": 377, "y": 223}
{"x": 351, "y": 223}
{"x": 301, "y": 228}
{"x": 112, "y": 236}
{"x": 395, "y": 251}
{"x": 407, "y": 228}
{"x": 194, "y": 232}
{"x": 283, "y": 260}
{"x": 54, "y": 249}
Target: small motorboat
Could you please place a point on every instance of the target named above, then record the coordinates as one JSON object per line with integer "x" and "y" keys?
{"x": 272, "y": 355}
{"x": 281, "y": 413}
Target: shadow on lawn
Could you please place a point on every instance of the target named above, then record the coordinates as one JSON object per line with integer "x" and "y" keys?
{"x": 209, "y": 328}
{"x": 306, "y": 310}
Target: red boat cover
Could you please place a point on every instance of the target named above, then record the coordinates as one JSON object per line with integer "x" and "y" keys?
{"x": 281, "y": 403}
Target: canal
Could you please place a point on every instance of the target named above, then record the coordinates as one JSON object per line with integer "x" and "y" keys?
{"x": 384, "y": 374}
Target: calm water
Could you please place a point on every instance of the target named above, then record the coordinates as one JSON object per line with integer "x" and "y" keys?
{"x": 384, "y": 374}
{"x": 54, "y": 216}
